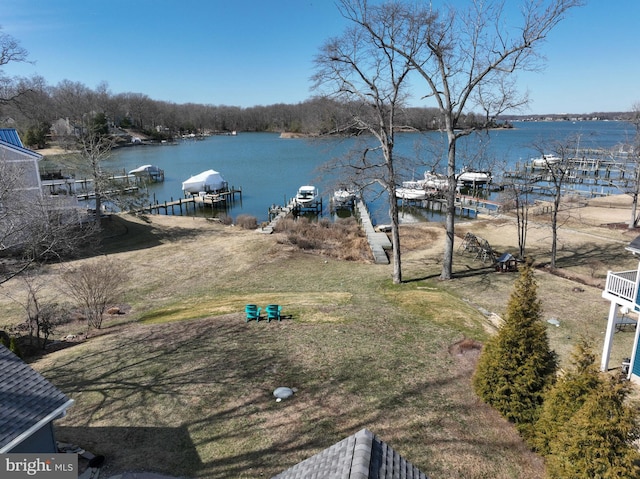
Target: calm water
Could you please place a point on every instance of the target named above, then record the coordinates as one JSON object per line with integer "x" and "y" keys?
{"x": 270, "y": 169}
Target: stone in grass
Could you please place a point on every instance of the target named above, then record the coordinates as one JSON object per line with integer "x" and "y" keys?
{"x": 282, "y": 393}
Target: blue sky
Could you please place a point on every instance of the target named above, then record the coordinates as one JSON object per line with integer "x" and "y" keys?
{"x": 260, "y": 52}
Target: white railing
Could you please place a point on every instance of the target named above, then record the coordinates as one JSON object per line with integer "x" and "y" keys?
{"x": 622, "y": 284}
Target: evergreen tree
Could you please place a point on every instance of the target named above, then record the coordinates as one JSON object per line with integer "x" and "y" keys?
{"x": 517, "y": 366}
{"x": 566, "y": 397}
{"x": 586, "y": 429}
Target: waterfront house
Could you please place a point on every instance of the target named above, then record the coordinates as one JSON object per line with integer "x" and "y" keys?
{"x": 622, "y": 289}
{"x": 20, "y": 162}
{"x": 28, "y": 406}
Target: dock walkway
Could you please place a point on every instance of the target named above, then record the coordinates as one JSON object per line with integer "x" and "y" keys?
{"x": 378, "y": 242}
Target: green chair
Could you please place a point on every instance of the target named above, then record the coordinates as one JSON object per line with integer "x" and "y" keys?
{"x": 253, "y": 312}
{"x": 273, "y": 312}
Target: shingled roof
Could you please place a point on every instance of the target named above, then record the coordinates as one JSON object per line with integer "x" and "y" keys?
{"x": 27, "y": 401}
{"x": 360, "y": 456}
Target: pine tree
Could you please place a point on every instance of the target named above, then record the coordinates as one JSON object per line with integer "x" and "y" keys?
{"x": 566, "y": 397}
{"x": 586, "y": 429}
{"x": 517, "y": 366}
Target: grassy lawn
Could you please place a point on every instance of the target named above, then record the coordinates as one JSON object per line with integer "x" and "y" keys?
{"x": 182, "y": 385}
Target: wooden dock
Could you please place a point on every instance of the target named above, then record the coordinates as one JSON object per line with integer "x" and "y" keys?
{"x": 378, "y": 242}
{"x": 590, "y": 173}
{"x": 182, "y": 205}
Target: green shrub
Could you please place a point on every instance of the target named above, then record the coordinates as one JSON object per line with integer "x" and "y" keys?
{"x": 566, "y": 397}
{"x": 586, "y": 429}
{"x": 516, "y": 366}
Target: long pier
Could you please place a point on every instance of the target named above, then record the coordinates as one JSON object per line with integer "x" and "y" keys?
{"x": 83, "y": 188}
{"x": 378, "y": 242}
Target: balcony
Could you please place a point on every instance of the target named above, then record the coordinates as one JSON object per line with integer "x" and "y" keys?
{"x": 622, "y": 285}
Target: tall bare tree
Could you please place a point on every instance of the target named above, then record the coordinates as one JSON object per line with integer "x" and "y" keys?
{"x": 10, "y": 52}
{"x": 556, "y": 170}
{"x": 631, "y": 168}
{"x": 369, "y": 77}
{"x": 466, "y": 58}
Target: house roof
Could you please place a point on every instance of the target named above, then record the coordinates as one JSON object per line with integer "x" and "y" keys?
{"x": 360, "y": 456}
{"x": 505, "y": 257}
{"x": 9, "y": 138}
{"x": 27, "y": 401}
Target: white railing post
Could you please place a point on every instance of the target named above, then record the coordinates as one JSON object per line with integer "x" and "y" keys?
{"x": 608, "y": 339}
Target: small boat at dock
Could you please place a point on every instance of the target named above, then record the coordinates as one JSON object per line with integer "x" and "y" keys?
{"x": 306, "y": 195}
{"x": 469, "y": 177}
{"x": 343, "y": 198}
{"x": 545, "y": 161}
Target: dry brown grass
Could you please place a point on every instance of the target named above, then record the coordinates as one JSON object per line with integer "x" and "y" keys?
{"x": 183, "y": 372}
{"x": 342, "y": 239}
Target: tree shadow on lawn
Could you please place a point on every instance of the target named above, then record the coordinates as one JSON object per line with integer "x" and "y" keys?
{"x": 198, "y": 398}
{"x": 123, "y": 233}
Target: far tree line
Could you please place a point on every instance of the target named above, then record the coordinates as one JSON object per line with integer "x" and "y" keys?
{"x": 33, "y": 107}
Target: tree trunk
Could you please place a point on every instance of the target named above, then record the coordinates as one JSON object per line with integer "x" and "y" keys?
{"x": 395, "y": 236}
{"x": 447, "y": 262}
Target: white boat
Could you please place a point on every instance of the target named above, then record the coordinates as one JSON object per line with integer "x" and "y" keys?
{"x": 545, "y": 161}
{"x": 209, "y": 181}
{"x": 306, "y": 195}
{"x": 431, "y": 185}
{"x": 344, "y": 197}
{"x": 408, "y": 193}
{"x": 472, "y": 177}
{"x": 435, "y": 181}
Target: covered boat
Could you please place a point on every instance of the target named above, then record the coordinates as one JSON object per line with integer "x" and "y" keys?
{"x": 151, "y": 172}
{"x": 473, "y": 177}
{"x": 209, "y": 181}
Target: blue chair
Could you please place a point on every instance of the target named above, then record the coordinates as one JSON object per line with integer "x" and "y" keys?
{"x": 253, "y": 312}
{"x": 273, "y": 312}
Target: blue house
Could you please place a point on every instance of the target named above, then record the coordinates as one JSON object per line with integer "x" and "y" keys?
{"x": 623, "y": 291}
{"x": 28, "y": 406}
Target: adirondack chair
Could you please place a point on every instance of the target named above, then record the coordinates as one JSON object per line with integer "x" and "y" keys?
{"x": 253, "y": 312}
{"x": 273, "y": 312}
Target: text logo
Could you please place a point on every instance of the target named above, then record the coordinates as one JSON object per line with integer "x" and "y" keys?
{"x": 43, "y": 466}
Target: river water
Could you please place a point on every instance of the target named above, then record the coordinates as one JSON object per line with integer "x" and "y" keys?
{"x": 270, "y": 169}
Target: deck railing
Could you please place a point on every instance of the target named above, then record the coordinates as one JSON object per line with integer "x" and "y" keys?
{"x": 622, "y": 284}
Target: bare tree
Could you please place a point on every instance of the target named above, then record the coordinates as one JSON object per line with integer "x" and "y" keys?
{"x": 517, "y": 198}
{"x": 43, "y": 316}
{"x": 95, "y": 286}
{"x": 465, "y": 58}
{"x": 34, "y": 228}
{"x": 631, "y": 168}
{"x": 369, "y": 78}
{"x": 10, "y": 52}
{"x": 556, "y": 170}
